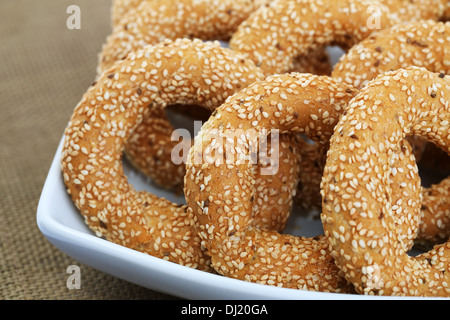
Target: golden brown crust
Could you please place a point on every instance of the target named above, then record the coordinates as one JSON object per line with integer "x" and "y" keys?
{"x": 308, "y": 189}
{"x": 150, "y": 22}
{"x": 137, "y": 23}
{"x": 104, "y": 120}
{"x": 274, "y": 172}
{"x": 418, "y": 43}
{"x": 120, "y": 8}
{"x": 150, "y": 147}
{"x": 316, "y": 62}
{"x": 149, "y": 150}
{"x": 240, "y": 210}
{"x": 434, "y": 158}
{"x": 273, "y": 39}
{"x": 411, "y": 10}
{"x": 362, "y": 237}
{"x": 301, "y": 103}
{"x": 152, "y": 143}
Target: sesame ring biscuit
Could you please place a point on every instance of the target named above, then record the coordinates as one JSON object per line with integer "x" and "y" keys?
{"x": 273, "y": 39}
{"x": 268, "y": 198}
{"x": 418, "y": 43}
{"x": 180, "y": 71}
{"x": 153, "y": 144}
{"x": 219, "y": 190}
{"x": 360, "y": 228}
{"x": 422, "y": 44}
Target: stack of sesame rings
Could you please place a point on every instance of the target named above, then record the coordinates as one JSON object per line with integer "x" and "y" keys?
{"x": 406, "y": 10}
{"x": 273, "y": 39}
{"x": 101, "y": 124}
{"x": 360, "y": 228}
{"x": 159, "y": 152}
{"x": 220, "y": 189}
{"x": 140, "y": 23}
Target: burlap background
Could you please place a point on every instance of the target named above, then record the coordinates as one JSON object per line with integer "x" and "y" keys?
{"x": 44, "y": 70}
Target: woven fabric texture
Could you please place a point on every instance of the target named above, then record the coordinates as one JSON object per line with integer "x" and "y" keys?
{"x": 45, "y": 68}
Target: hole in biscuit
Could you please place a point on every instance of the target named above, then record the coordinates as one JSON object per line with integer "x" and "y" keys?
{"x": 184, "y": 116}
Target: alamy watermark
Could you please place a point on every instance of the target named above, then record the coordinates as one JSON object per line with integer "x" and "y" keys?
{"x": 74, "y": 279}
{"x": 374, "y": 20}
